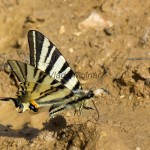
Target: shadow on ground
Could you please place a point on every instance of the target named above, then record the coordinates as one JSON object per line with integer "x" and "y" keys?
{"x": 54, "y": 125}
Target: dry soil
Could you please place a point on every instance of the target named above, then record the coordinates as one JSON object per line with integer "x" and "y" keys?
{"x": 116, "y": 54}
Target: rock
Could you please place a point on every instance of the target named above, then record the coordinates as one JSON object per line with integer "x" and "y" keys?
{"x": 62, "y": 30}
{"x": 107, "y": 31}
{"x": 77, "y": 33}
{"x": 100, "y": 92}
{"x": 95, "y": 21}
{"x": 137, "y": 148}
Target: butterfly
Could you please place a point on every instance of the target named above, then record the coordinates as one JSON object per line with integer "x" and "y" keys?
{"x": 47, "y": 80}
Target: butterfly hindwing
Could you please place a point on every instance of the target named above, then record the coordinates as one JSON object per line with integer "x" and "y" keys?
{"x": 28, "y": 73}
{"x": 39, "y": 86}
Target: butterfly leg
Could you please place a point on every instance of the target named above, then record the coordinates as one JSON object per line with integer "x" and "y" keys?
{"x": 56, "y": 108}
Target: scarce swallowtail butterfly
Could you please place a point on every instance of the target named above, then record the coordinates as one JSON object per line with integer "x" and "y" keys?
{"x": 38, "y": 82}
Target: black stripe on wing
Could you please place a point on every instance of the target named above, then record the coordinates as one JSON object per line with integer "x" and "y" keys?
{"x": 51, "y": 63}
{"x": 35, "y": 47}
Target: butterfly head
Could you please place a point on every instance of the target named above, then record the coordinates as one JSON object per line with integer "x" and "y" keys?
{"x": 83, "y": 94}
{"x": 90, "y": 94}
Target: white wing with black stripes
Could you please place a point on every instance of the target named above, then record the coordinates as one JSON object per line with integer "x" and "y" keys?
{"x": 45, "y": 56}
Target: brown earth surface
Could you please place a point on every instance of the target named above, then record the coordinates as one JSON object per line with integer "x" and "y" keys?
{"x": 117, "y": 50}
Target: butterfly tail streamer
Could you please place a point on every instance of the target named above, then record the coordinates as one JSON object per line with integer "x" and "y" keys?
{"x": 15, "y": 100}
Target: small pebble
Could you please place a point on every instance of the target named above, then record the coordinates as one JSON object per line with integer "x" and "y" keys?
{"x": 62, "y": 30}
{"x": 103, "y": 134}
{"x": 77, "y": 33}
{"x": 107, "y": 31}
{"x": 122, "y": 96}
{"x": 137, "y": 148}
{"x": 100, "y": 92}
{"x": 71, "y": 50}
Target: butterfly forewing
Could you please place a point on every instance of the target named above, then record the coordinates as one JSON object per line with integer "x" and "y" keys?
{"x": 45, "y": 56}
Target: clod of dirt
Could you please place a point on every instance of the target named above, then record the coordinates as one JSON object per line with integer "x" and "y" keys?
{"x": 134, "y": 81}
{"x": 100, "y": 92}
{"x": 95, "y": 21}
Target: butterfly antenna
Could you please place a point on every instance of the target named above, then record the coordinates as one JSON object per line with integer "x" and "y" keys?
{"x": 96, "y": 109}
{"x": 15, "y": 100}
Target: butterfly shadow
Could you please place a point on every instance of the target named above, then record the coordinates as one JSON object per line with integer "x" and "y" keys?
{"x": 55, "y": 125}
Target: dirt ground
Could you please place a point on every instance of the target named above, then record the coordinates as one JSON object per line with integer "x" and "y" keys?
{"x": 116, "y": 49}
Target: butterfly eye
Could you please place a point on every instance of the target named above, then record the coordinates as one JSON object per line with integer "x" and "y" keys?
{"x": 90, "y": 94}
